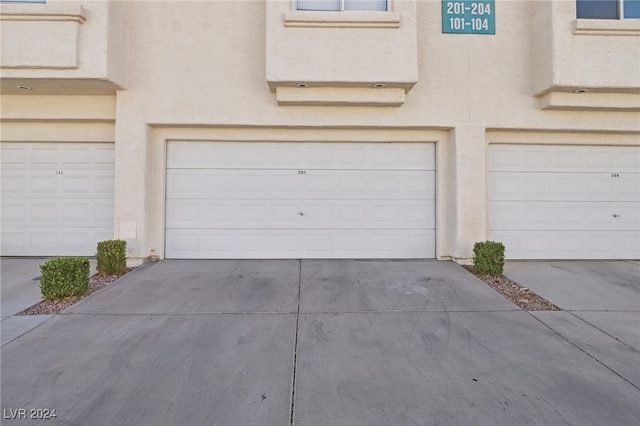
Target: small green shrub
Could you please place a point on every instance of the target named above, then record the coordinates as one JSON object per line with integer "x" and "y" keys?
{"x": 488, "y": 258}
{"x": 111, "y": 257}
{"x": 64, "y": 276}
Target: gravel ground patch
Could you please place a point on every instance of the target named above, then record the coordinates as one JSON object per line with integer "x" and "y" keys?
{"x": 54, "y": 306}
{"x": 515, "y": 293}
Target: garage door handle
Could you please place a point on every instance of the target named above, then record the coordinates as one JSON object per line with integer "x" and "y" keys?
{"x": 301, "y": 213}
{"x": 616, "y": 215}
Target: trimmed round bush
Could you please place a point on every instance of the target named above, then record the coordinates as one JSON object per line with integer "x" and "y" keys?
{"x": 488, "y": 258}
{"x": 111, "y": 257}
{"x": 64, "y": 277}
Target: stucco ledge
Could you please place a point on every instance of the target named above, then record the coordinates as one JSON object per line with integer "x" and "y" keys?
{"x": 607, "y": 27}
{"x": 45, "y": 12}
{"x": 590, "y": 101}
{"x": 341, "y": 96}
{"x": 342, "y": 20}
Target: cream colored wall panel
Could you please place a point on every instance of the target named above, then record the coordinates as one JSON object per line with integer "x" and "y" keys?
{"x": 30, "y": 131}
{"x": 277, "y": 155}
{"x": 603, "y": 58}
{"x": 64, "y": 48}
{"x": 58, "y": 108}
{"x": 341, "y": 51}
{"x": 341, "y": 96}
{"x": 564, "y": 158}
{"x": 57, "y": 50}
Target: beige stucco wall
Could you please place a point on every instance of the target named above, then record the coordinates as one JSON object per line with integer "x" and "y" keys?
{"x": 199, "y": 70}
{"x": 599, "y": 55}
{"x": 57, "y": 118}
{"x": 64, "y": 47}
{"x": 316, "y": 50}
{"x": 205, "y": 63}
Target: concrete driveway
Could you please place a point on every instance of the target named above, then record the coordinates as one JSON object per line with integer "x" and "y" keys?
{"x": 313, "y": 343}
{"x": 600, "y": 303}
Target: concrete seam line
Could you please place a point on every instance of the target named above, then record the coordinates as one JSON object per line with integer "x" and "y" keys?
{"x": 414, "y": 311}
{"x": 184, "y": 314}
{"x": 295, "y": 346}
{"x": 602, "y": 331}
{"x": 584, "y": 351}
{"x": 28, "y": 331}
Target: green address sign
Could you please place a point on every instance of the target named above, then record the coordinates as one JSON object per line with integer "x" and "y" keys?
{"x": 468, "y": 16}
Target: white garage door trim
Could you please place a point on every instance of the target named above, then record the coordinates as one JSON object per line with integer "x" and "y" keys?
{"x": 565, "y": 202}
{"x": 57, "y": 198}
{"x": 300, "y": 200}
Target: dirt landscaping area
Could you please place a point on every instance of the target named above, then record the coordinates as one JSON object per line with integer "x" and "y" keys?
{"x": 518, "y": 295}
{"x": 50, "y": 307}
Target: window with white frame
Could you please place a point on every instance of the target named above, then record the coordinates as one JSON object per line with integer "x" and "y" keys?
{"x": 608, "y": 9}
{"x": 341, "y": 5}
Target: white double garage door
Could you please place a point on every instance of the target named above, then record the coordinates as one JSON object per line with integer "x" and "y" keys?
{"x": 57, "y": 198}
{"x": 565, "y": 202}
{"x": 300, "y": 200}
{"x": 324, "y": 200}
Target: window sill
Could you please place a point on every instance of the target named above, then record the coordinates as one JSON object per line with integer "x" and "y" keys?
{"x": 342, "y": 19}
{"x": 607, "y": 27}
{"x": 42, "y": 12}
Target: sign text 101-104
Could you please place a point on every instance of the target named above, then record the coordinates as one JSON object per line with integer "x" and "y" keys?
{"x": 468, "y": 16}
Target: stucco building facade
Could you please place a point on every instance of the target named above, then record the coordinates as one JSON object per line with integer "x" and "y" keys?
{"x": 256, "y": 129}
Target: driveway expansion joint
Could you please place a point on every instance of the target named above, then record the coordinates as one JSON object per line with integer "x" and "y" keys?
{"x": 133, "y": 314}
{"x": 572, "y": 343}
{"x": 603, "y": 332}
{"x": 411, "y": 311}
{"x": 27, "y": 331}
{"x": 295, "y": 348}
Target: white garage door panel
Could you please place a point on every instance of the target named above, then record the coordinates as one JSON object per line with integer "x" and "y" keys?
{"x": 55, "y": 212}
{"x": 531, "y": 215}
{"x": 565, "y": 202}
{"x": 26, "y": 184}
{"x": 63, "y": 241}
{"x": 57, "y": 156}
{"x": 569, "y": 244}
{"x": 301, "y": 200}
{"x": 289, "y": 184}
{"x": 57, "y": 198}
{"x": 272, "y": 243}
{"x": 347, "y": 214}
{"x": 528, "y": 186}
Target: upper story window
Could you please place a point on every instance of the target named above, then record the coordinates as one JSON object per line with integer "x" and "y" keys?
{"x": 342, "y": 5}
{"x": 608, "y": 9}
